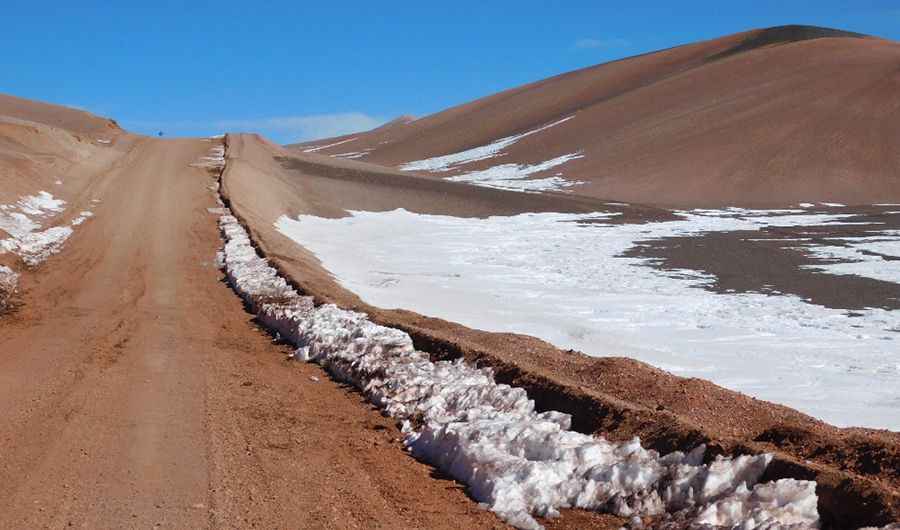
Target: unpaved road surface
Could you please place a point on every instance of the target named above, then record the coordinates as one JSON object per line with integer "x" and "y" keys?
{"x": 136, "y": 392}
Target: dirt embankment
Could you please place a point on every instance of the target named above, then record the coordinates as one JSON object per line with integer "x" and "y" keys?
{"x": 856, "y": 469}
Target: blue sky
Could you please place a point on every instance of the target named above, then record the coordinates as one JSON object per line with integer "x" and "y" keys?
{"x": 294, "y": 71}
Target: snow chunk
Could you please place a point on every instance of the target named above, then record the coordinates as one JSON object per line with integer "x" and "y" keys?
{"x": 769, "y": 505}
{"x": 447, "y": 162}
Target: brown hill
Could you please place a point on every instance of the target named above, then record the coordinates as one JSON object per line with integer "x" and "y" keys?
{"x": 762, "y": 118}
{"x": 50, "y": 148}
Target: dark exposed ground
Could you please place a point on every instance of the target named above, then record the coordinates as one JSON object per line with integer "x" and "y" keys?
{"x": 772, "y": 260}
{"x": 785, "y": 35}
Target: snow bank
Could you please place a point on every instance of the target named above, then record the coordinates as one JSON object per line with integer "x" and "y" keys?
{"x": 555, "y": 277}
{"x": 514, "y": 177}
{"x": 488, "y": 436}
{"x": 491, "y": 150}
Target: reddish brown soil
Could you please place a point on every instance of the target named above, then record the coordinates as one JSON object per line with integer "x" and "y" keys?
{"x": 137, "y": 393}
{"x": 763, "y": 118}
{"x": 73, "y": 120}
{"x": 856, "y": 469}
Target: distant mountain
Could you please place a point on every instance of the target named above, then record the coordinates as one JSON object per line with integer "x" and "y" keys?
{"x": 767, "y": 117}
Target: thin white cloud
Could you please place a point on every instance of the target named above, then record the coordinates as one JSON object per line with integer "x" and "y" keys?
{"x": 297, "y": 128}
{"x": 282, "y": 129}
{"x": 614, "y": 42}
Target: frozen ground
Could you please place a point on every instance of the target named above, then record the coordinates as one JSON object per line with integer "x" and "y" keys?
{"x": 557, "y": 277}
{"x": 488, "y": 436}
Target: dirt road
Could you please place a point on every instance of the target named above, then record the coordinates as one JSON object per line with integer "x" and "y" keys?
{"x": 137, "y": 393}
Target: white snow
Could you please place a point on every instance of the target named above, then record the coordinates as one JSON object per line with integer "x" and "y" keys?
{"x": 26, "y": 239}
{"x": 320, "y": 147}
{"x": 488, "y": 436}
{"x": 35, "y": 247}
{"x": 491, "y": 150}
{"x": 41, "y": 204}
{"x": 214, "y": 159}
{"x": 82, "y": 217}
{"x": 548, "y": 276}
{"x": 354, "y": 154}
{"x": 515, "y": 176}
{"x": 851, "y": 258}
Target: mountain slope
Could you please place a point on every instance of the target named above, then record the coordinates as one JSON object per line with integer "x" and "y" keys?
{"x": 762, "y": 118}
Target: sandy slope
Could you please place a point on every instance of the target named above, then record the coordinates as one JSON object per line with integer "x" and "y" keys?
{"x": 136, "y": 392}
{"x": 768, "y": 117}
{"x": 617, "y": 397}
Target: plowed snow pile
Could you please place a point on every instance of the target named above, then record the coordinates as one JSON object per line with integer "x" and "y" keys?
{"x": 519, "y": 462}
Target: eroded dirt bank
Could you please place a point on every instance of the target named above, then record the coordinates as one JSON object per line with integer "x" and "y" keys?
{"x": 619, "y": 398}
{"x": 138, "y": 393}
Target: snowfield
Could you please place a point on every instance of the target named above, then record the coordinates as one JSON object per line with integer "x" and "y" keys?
{"x": 517, "y": 461}
{"x": 558, "y": 278}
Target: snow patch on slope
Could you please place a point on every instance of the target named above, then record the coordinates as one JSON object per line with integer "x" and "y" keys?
{"x": 555, "y": 277}
{"x": 320, "y": 147}
{"x": 26, "y": 239}
{"x": 518, "y": 461}
{"x": 514, "y": 177}
{"x": 491, "y": 150}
